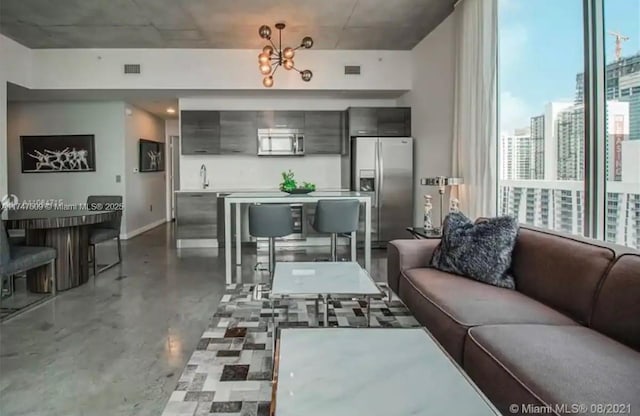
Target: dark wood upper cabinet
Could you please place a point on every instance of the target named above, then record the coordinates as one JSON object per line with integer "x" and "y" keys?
{"x": 382, "y": 122}
{"x": 363, "y": 122}
{"x": 280, "y": 119}
{"x": 394, "y": 122}
{"x": 200, "y": 132}
{"x": 238, "y": 132}
{"x": 323, "y": 132}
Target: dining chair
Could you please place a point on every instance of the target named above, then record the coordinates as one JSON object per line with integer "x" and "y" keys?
{"x": 336, "y": 217}
{"x": 19, "y": 259}
{"x": 105, "y": 231}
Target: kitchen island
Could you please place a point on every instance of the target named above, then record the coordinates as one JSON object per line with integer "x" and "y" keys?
{"x": 236, "y": 200}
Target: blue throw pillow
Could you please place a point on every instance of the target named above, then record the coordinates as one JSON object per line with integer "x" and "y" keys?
{"x": 480, "y": 251}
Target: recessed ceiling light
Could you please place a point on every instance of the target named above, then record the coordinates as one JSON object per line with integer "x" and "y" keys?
{"x": 171, "y": 110}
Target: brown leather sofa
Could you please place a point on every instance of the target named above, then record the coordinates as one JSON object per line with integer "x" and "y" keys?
{"x": 569, "y": 334}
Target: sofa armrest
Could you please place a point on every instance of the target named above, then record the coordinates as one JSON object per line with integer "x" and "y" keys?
{"x": 405, "y": 255}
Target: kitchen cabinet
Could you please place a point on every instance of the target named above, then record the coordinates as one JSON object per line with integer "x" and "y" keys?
{"x": 379, "y": 122}
{"x": 363, "y": 122}
{"x": 200, "y": 132}
{"x": 323, "y": 132}
{"x": 196, "y": 215}
{"x": 238, "y": 132}
{"x": 394, "y": 122}
{"x": 280, "y": 119}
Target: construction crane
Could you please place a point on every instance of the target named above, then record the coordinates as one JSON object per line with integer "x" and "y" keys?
{"x": 619, "y": 39}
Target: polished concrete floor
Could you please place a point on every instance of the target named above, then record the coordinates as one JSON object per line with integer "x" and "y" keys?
{"x": 117, "y": 345}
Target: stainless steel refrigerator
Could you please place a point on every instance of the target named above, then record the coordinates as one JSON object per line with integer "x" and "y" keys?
{"x": 383, "y": 167}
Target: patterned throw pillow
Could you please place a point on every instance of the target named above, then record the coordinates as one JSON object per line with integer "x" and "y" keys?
{"x": 480, "y": 251}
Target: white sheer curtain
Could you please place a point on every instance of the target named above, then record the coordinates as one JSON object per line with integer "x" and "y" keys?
{"x": 475, "y": 106}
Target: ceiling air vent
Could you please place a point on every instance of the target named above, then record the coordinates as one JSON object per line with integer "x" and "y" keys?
{"x": 131, "y": 68}
{"x": 352, "y": 70}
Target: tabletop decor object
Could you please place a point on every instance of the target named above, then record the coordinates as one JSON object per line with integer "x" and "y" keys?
{"x": 442, "y": 182}
{"x": 290, "y": 186}
{"x": 428, "y": 208}
{"x": 274, "y": 56}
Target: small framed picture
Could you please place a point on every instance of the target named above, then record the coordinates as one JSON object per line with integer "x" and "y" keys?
{"x": 151, "y": 156}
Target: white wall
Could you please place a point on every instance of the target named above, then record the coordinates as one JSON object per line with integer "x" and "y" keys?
{"x": 103, "y": 119}
{"x": 15, "y": 67}
{"x": 225, "y": 69}
{"x": 253, "y": 172}
{"x": 171, "y": 128}
{"x": 145, "y": 201}
{"x": 431, "y": 99}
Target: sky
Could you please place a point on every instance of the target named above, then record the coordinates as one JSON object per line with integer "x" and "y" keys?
{"x": 541, "y": 51}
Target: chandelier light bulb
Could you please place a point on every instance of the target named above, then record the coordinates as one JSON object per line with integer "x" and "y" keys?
{"x": 307, "y": 42}
{"x": 268, "y": 50}
{"x": 306, "y": 75}
{"x": 265, "y": 32}
{"x": 265, "y": 69}
{"x": 268, "y": 81}
{"x": 288, "y": 53}
{"x": 288, "y": 64}
{"x": 263, "y": 58}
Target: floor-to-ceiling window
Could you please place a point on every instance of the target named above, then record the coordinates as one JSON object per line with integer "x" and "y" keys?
{"x": 544, "y": 139}
{"x": 541, "y": 142}
{"x": 622, "y": 137}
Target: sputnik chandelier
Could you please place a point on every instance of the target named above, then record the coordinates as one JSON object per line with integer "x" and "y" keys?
{"x": 273, "y": 57}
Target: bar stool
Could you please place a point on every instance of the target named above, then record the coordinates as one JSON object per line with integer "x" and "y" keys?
{"x": 336, "y": 217}
{"x": 270, "y": 221}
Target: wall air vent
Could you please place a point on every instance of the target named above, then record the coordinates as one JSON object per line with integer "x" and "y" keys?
{"x": 352, "y": 70}
{"x": 131, "y": 68}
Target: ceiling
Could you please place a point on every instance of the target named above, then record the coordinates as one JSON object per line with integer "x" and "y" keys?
{"x": 157, "y": 101}
{"x": 225, "y": 24}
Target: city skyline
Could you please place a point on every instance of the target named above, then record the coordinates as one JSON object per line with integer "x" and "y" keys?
{"x": 541, "y": 110}
{"x": 541, "y": 42}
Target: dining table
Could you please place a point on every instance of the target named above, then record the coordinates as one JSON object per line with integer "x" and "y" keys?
{"x": 235, "y": 200}
{"x": 67, "y": 231}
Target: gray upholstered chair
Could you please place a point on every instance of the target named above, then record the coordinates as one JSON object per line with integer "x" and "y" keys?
{"x": 107, "y": 230}
{"x": 19, "y": 259}
{"x": 270, "y": 221}
{"x": 336, "y": 217}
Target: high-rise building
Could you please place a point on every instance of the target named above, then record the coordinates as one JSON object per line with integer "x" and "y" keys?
{"x": 536, "y": 129}
{"x": 622, "y": 83}
{"x": 614, "y": 71}
{"x": 617, "y": 134}
{"x": 551, "y": 112}
{"x": 630, "y": 92}
{"x": 570, "y": 133}
{"x": 570, "y": 140}
{"x": 517, "y": 155}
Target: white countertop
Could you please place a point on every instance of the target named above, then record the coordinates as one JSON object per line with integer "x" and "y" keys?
{"x": 245, "y": 190}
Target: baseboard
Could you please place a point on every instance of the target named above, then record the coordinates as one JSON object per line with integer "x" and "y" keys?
{"x": 138, "y": 231}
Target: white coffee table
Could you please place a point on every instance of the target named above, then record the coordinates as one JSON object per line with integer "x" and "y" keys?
{"x": 323, "y": 280}
{"x": 370, "y": 371}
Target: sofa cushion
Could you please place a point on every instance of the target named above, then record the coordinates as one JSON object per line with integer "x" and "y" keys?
{"x": 480, "y": 251}
{"x": 560, "y": 271}
{"x": 617, "y": 308}
{"x": 448, "y": 305}
{"x": 551, "y": 364}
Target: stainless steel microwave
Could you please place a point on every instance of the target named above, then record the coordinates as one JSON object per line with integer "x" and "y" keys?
{"x": 280, "y": 142}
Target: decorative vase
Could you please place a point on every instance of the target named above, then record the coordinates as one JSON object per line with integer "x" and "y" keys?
{"x": 428, "y": 208}
{"x": 454, "y": 205}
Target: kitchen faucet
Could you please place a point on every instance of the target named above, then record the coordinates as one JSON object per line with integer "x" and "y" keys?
{"x": 203, "y": 177}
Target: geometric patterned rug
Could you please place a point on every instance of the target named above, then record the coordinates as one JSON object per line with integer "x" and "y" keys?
{"x": 230, "y": 372}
